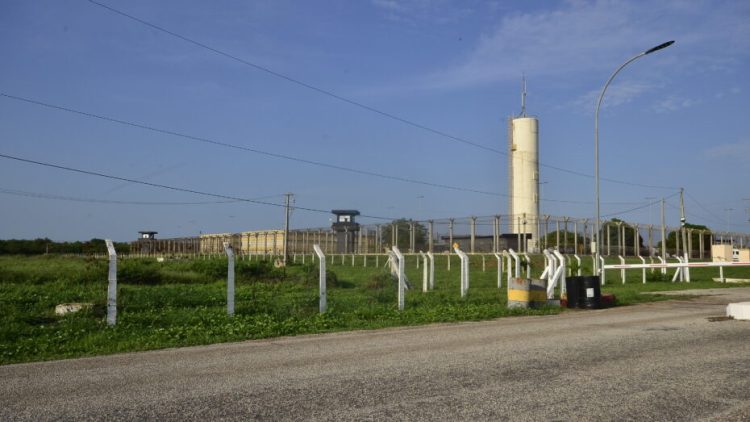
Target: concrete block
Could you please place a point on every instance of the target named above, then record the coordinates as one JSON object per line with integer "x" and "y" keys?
{"x": 69, "y": 308}
{"x": 739, "y": 310}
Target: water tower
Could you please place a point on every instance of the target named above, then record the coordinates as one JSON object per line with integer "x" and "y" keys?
{"x": 523, "y": 177}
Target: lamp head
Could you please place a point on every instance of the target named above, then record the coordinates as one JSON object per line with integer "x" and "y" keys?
{"x": 658, "y": 47}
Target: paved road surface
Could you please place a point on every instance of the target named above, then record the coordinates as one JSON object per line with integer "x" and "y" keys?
{"x": 662, "y": 361}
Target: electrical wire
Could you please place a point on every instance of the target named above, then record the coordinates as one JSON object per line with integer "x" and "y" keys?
{"x": 246, "y": 149}
{"x": 715, "y": 218}
{"x": 640, "y": 207}
{"x": 276, "y": 155}
{"x": 350, "y": 101}
{"x": 173, "y": 188}
{"x": 38, "y": 195}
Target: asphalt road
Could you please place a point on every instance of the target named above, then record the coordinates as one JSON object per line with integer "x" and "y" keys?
{"x": 659, "y": 361}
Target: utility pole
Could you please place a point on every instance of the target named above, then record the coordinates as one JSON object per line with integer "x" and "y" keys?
{"x": 683, "y": 230}
{"x": 663, "y": 234}
{"x": 286, "y": 226}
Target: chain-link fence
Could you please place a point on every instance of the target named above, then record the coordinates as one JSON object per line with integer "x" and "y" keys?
{"x": 480, "y": 234}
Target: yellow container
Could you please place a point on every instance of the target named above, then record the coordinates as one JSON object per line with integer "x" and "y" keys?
{"x": 527, "y": 293}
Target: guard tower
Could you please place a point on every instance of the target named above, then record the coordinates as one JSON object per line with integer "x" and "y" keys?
{"x": 147, "y": 235}
{"x": 346, "y": 230}
{"x": 146, "y": 242}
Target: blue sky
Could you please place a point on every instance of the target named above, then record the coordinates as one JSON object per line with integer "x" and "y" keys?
{"x": 677, "y": 118}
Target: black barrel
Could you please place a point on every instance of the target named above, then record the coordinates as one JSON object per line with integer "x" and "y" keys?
{"x": 591, "y": 293}
{"x": 573, "y": 288}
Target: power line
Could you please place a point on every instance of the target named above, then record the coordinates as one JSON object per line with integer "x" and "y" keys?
{"x": 639, "y": 207}
{"x": 173, "y": 188}
{"x": 244, "y": 148}
{"x": 296, "y": 81}
{"x": 350, "y": 101}
{"x": 714, "y": 217}
{"x": 273, "y": 154}
{"x": 38, "y": 195}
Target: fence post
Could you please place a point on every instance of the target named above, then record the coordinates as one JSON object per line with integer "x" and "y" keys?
{"x": 517, "y": 263}
{"x": 432, "y": 269}
{"x": 322, "y": 284}
{"x": 508, "y": 266}
{"x": 230, "y": 278}
{"x": 401, "y": 276}
{"x": 643, "y": 275}
{"x": 528, "y": 264}
{"x": 430, "y": 236}
{"x": 499, "y": 270}
{"x": 464, "y": 271}
{"x": 425, "y": 275}
{"x": 559, "y": 276}
{"x": 112, "y": 284}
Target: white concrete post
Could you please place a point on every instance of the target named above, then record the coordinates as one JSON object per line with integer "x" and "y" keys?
{"x": 464, "y": 271}
{"x": 643, "y": 261}
{"x": 425, "y": 270}
{"x": 322, "y": 284}
{"x": 664, "y": 269}
{"x": 112, "y": 284}
{"x": 562, "y": 277}
{"x": 517, "y": 263}
{"x": 528, "y": 264}
{"x": 578, "y": 259}
{"x": 432, "y": 270}
{"x": 401, "y": 276}
{"x": 677, "y": 273}
{"x": 230, "y": 278}
{"x": 499, "y": 270}
{"x": 622, "y": 271}
{"x": 509, "y": 267}
{"x": 549, "y": 265}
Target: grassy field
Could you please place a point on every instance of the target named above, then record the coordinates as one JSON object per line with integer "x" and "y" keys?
{"x": 182, "y": 302}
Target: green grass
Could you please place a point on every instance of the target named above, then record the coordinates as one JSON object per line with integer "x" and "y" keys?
{"x": 182, "y": 302}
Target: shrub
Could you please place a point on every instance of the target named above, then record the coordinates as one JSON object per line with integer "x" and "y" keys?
{"x": 657, "y": 276}
{"x": 309, "y": 275}
{"x": 139, "y": 272}
{"x": 258, "y": 271}
{"x": 214, "y": 268}
{"x": 380, "y": 281}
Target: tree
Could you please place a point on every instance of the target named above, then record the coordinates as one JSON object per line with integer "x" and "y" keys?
{"x": 695, "y": 237}
{"x": 550, "y": 240}
{"x": 42, "y": 246}
{"x": 617, "y": 224}
{"x": 404, "y": 227}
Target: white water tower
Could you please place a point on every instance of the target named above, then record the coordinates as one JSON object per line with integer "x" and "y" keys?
{"x": 523, "y": 176}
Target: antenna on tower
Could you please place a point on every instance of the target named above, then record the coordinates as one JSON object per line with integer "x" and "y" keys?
{"x": 523, "y": 96}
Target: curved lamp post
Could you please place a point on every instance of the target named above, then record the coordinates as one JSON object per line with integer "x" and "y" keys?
{"x": 598, "y": 270}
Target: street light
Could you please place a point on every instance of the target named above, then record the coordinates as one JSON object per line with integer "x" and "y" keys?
{"x": 726, "y": 223}
{"x": 596, "y": 143}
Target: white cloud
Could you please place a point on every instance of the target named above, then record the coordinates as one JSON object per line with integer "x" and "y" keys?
{"x": 617, "y": 94}
{"x": 595, "y": 35}
{"x": 738, "y": 150}
{"x": 413, "y": 11}
{"x": 732, "y": 91}
{"x": 673, "y": 103}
